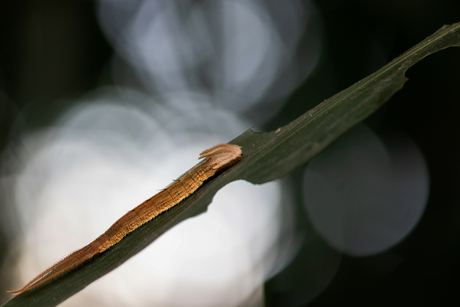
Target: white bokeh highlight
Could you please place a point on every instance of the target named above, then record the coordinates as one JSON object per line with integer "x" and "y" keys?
{"x": 363, "y": 195}
{"x": 106, "y": 158}
{"x": 240, "y": 53}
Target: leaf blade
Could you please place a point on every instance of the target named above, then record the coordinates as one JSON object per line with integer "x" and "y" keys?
{"x": 267, "y": 156}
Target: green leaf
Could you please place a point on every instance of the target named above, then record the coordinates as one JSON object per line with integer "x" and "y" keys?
{"x": 267, "y": 156}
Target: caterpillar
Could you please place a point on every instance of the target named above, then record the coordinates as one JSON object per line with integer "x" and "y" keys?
{"x": 217, "y": 158}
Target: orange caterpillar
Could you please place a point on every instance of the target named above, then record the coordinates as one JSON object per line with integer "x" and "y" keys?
{"x": 218, "y": 158}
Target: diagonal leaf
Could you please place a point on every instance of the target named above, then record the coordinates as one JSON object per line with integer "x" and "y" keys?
{"x": 267, "y": 156}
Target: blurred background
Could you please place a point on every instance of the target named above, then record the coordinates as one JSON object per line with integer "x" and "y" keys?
{"x": 104, "y": 103}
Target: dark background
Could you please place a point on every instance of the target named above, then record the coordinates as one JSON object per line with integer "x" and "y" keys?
{"x": 54, "y": 51}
